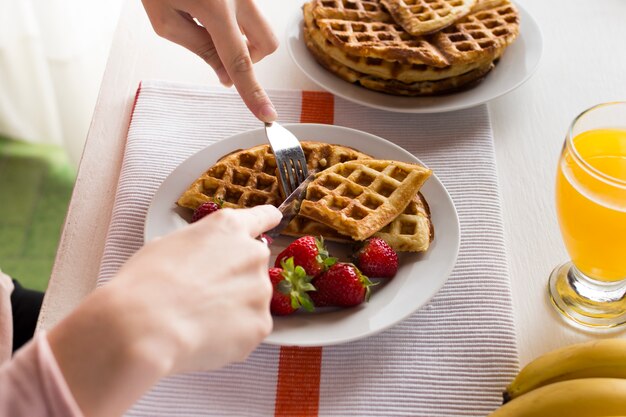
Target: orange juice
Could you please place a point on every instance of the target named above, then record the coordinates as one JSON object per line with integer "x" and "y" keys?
{"x": 591, "y": 203}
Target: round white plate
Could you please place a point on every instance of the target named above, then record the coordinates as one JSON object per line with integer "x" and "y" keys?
{"x": 516, "y": 66}
{"x": 419, "y": 277}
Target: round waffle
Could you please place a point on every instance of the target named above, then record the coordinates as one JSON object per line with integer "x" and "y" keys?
{"x": 373, "y": 50}
{"x": 421, "y": 88}
{"x": 388, "y": 70}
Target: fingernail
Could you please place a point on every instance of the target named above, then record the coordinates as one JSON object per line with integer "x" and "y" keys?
{"x": 268, "y": 113}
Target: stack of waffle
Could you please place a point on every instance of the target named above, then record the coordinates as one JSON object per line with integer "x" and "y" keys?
{"x": 410, "y": 47}
{"x": 353, "y": 196}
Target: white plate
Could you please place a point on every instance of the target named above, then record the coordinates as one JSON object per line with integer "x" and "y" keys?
{"x": 517, "y": 65}
{"x": 419, "y": 277}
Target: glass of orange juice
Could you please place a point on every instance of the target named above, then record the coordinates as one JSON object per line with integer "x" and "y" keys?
{"x": 590, "y": 290}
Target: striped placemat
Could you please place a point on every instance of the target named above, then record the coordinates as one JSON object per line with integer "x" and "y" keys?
{"x": 452, "y": 358}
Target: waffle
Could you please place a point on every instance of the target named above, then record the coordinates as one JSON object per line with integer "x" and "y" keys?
{"x": 411, "y": 231}
{"x": 375, "y": 51}
{"x": 428, "y": 88}
{"x": 244, "y": 178}
{"x": 380, "y": 68}
{"x": 376, "y": 39}
{"x": 359, "y": 10}
{"x": 483, "y": 34}
{"x": 422, "y": 88}
{"x": 247, "y": 178}
{"x": 422, "y": 17}
{"x": 358, "y": 198}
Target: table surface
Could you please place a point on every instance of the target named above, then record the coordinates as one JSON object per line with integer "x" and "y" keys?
{"x": 582, "y": 65}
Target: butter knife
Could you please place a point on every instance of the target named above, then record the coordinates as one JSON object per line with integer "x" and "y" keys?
{"x": 291, "y": 206}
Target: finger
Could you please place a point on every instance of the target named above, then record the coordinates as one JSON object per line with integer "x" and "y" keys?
{"x": 261, "y": 38}
{"x": 255, "y": 54}
{"x": 233, "y": 52}
{"x": 259, "y": 219}
{"x": 180, "y": 28}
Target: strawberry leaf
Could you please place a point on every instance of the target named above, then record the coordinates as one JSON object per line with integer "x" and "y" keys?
{"x": 323, "y": 257}
{"x": 365, "y": 281}
{"x": 284, "y": 286}
{"x": 298, "y": 284}
{"x": 306, "y": 302}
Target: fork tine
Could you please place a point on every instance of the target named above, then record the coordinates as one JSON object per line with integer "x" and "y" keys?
{"x": 292, "y": 175}
{"x": 290, "y": 158}
{"x": 282, "y": 167}
{"x": 304, "y": 171}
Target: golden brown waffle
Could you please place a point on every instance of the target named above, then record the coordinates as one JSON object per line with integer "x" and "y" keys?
{"x": 247, "y": 178}
{"x": 411, "y": 231}
{"x": 377, "y": 53}
{"x": 363, "y": 10}
{"x": 428, "y": 88}
{"x": 380, "y": 68}
{"x": 358, "y": 198}
{"x": 423, "y": 88}
{"x": 376, "y": 39}
{"x": 244, "y": 178}
{"x": 422, "y": 17}
{"x": 480, "y": 35}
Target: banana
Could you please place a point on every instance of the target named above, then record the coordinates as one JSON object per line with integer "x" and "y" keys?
{"x": 597, "y": 359}
{"x": 589, "y": 397}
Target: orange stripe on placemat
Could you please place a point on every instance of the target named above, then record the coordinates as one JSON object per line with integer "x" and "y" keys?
{"x": 298, "y": 385}
{"x": 317, "y": 107}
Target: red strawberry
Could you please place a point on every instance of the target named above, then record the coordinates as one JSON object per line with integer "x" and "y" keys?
{"x": 309, "y": 253}
{"x": 291, "y": 286}
{"x": 342, "y": 285}
{"x": 205, "y": 209}
{"x": 375, "y": 258}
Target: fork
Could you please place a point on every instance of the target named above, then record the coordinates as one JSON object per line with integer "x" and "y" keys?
{"x": 290, "y": 159}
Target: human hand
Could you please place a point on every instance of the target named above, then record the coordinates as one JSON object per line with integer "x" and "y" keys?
{"x": 220, "y": 41}
{"x": 203, "y": 292}
{"x": 196, "y": 299}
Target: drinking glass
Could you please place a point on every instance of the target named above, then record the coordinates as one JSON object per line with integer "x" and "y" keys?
{"x": 590, "y": 290}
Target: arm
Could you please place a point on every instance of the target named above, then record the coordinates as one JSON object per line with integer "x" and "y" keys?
{"x": 6, "y": 319}
{"x": 219, "y": 41}
{"x": 167, "y": 312}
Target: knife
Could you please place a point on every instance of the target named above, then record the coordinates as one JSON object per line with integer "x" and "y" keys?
{"x": 291, "y": 206}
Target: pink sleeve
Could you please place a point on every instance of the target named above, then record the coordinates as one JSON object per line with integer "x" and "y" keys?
{"x": 31, "y": 384}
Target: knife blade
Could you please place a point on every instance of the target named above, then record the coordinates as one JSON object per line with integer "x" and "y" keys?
{"x": 291, "y": 206}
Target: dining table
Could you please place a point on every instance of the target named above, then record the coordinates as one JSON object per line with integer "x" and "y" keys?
{"x": 582, "y": 64}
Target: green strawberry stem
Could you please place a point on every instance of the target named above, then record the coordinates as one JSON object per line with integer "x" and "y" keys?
{"x": 323, "y": 257}
{"x": 365, "y": 281}
{"x": 296, "y": 284}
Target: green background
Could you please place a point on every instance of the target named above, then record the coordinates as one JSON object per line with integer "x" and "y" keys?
{"x": 35, "y": 187}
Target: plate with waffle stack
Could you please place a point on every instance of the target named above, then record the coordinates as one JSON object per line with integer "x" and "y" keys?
{"x": 415, "y": 56}
{"x": 365, "y": 187}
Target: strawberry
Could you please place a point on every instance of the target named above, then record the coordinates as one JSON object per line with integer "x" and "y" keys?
{"x": 309, "y": 253}
{"x": 291, "y": 286}
{"x": 343, "y": 285}
{"x": 205, "y": 209}
{"x": 376, "y": 258}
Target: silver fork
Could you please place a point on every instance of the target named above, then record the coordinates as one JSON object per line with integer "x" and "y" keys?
{"x": 290, "y": 160}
